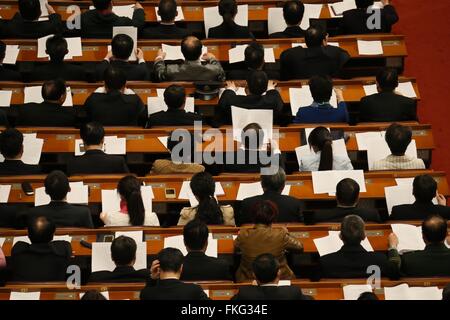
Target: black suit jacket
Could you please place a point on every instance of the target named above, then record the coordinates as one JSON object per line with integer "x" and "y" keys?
{"x": 338, "y": 214}
{"x": 172, "y": 289}
{"x": 55, "y": 70}
{"x": 96, "y": 162}
{"x": 121, "y": 274}
{"x": 40, "y": 262}
{"x": 302, "y": 63}
{"x": 44, "y": 114}
{"x": 355, "y": 21}
{"x": 17, "y": 27}
{"x": 197, "y": 266}
{"x": 234, "y": 31}
{"x": 3, "y": 118}
{"x": 387, "y": 107}
{"x": 17, "y": 167}
{"x": 9, "y": 75}
{"x": 133, "y": 71}
{"x": 432, "y": 262}
{"x": 248, "y": 161}
{"x": 173, "y": 118}
{"x": 164, "y": 31}
{"x": 418, "y": 211}
{"x": 242, "y": 74}
{"x": 289, "y": 32}
{"x": 270, "y": 293}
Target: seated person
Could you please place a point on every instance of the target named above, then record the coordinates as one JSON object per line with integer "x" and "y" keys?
{"x": 434, "y": 260}
{"x": 347, "y": 197}
{"x": 166, "y": 29}
{"x": 208, "y": 210}
{"x": 165, "y": 283}
{"x": 93, "y": 294}
{"x": 61, "y": 213}
{"x": 176, "y": 115}
{"x": 321, "y": 111}
{"x": 56, "y": 47}
{"x": 121, "y": 48}
{"x": 317, "y": 59}
{"x": 267, "y": 273}
{"x": 5, "y": 73}
{"x": 26, "y": 25}
{"x": 191, "y": 69}
{"x": 123, "y": 254}
{"x": 11, "y": 148}
{"x": 99, "y": 22}
{"x": 398, "y": 138}
{"x": 352, "y": 260}
{"x": 95, "y": 160}
{"x": 197, "y": 265}
{"x": 387, "y": 105}
{"x": 424, "y": 190}
{"x": 115, "y": 107}
{"x": 293, "y": 15}
{"x": 229, "y": 29}
{"x": 289, "y": 208}
{"x": 43, "y": 260}
{"x": 322, "y": 159}
{"x": 360, "y": 20}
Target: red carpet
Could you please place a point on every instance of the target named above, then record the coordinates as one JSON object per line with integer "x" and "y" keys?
{"x": 425, "y": 25}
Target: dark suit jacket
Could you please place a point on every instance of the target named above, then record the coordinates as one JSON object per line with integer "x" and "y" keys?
{"x": 9, "y": 75}
{"x": 338, "y": 214}
{"x": 247, "y": 161}
{"x": 172, "y": 289}
{"x": 289, "y": 208}
{"x": 116, "y": 109}
{"x": 121, "y": 274}
{"x": 55, "y": 70}
{"x": 418, "y": 211}
{"x": 164, "y": 31}
{"x": 3, "y": 118}
{"x": 17, "y": 27}
{"x": 234, "y": 31}
{"x": 17, "y": 167}
{"x": 431, "y": 262}
{"x": 133, "y": 71}
{"x": 270, "y": 293}
{"x": 289, "y": 32}
{"x": 197, "y": 266}
{"x": 242, "y": 74}
{"x": 40, "y": 262}
{"x": 355, "y": 21}
{"x": 324, "y": 113}
{"x": 302, "y": 63}
{"x": 387, "y": 107}
{"x": 9, "y": 214}
{"x": 173, "y": 118}
{"x": 44, "y": 114}
{"x": 96, "y": 162}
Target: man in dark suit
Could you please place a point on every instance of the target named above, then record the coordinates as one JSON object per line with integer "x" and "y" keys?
{"x": 175, "y": 115}
{"x": 434, "y": 260}
{"x": 267, "y": 272}
{"x": 165, "y": 283}
{"x": 5, "y": 73}
{"x": 424, "y": 190}
{"x": 61, "y": 213}
{"x": 167, "y": 29}
{"x": 360, "y": 20}
{"x": 387, "y": 105}
{"x": 99, "y": 22}
{"x": 352, "y": 260}
{"x": 289, "y": 208}
{"x": 347, "y": 197}
{"x": 11, "y": 147}
{"x": 293, "y": 15}
{"x": 123, "y": 253}
{"x": 317, "y": 59}
{"x": 121, "y": 49}
{"x": 95, "y": 161}
{"x": 43, "y": 259}
{"x": 229, "y": 29}
{"x": 197, "y": 265}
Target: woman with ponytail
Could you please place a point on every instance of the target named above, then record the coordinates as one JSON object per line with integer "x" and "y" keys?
{"x": 132, "y": 211}
{"x": 322, "y": 158}
{"x": 208, "y": 210}
{"x": 229, "y": 29}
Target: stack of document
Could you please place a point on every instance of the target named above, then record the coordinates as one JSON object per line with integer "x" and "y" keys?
{"x": 132, "y": 33}
{"x": 332, "y": 243}
{"x": 5, "y": 190}
{"x": 157, "y": 104}
{"x": 32, "y": 149}
{"x": 409, "y": 237}
{"x": 302, "y": 97}
{"x": 11, "y": 54}
{"x": 186, "y": 193}
{"x": 404, "y": 88}
{"x": 370, "y": 48}
{"x": 326, "y": 181}
{"x": 241, "y": 117}
{"x": 352, "y": 292}
{"x": 212, "y": 17}
{"x": 247, "y": 190}
{"x": 121, "y": 11}
{"x": 112, "y": 145}
{"x": 174, "y": 52}
{"x": 179, "y": 17}
{"x": 73, "y": 45}
{"x": 405, "y": 292}
{"x": 79, "y": 194}
{"x": 339, "y": 149}
{"x": 237, "y": 54}
{"x": 102, "y": 261}
{"x": 111, "y": 199}
{"x": 5, "y": 98}
{"x": 178, "y": 243}
{"x": 34, "y": 95}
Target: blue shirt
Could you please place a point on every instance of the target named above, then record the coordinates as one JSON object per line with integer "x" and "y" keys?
{"x": 322, "y": 113}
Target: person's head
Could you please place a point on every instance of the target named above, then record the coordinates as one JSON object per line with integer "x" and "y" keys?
{"x": 122, "y": 46}
{"x": 434, "y": 229}
{"x": 115, "y": 79}
{"x": 254, "y": 56}
{"x": 321, "y": 88}
{"x": 203, "y": 187}
{"x": 57, "y": 185}
{"x": 129, "y": 189}
{"x": 11, "y": 143}
{"x": 352, "y": 230}
{"x": 41, "y": 230}
{"x": 265, "y": 212}
{"x": 92, "y": 134}
{"x": 30, "y": 10}
{"x": 175, "y": 96}
{"x": 315, "y": 36}
{"x": 167, "y": 10}
{"x": 368, "y": 296}
{"x": 320, "y": 140}
{"x": 54, "y": 91}
{"x": 257, "y": 82}
{"x": 228, "y": 10}
{"x": 266, "y": 268}
{"x": 364, "y": 4}
{"x": 387, "y": 80}
{"x": 93, "y": 294}
{"x": 274, "y": 182}
{"x": 398, "y": 138}
{"x": 170, "y": 261}
{"x": 56, "y": 48}
{"x": 446, "y": 293}
{"x": 347, "y": 192}
{"x": 2, "y": 51}
{"x": 293, "y": 12}
{"x": 195, "y": 235}
{"x": 191, "y": 48}
{"x": 252, "y": 136}
{"x": 424, "y": 188}
{"x": 123, "y": 251}
{"x": 102, "y": 5}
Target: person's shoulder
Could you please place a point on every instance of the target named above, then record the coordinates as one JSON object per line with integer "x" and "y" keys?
{"x": 20, "y": 247}
{"x": 188, "y": 212}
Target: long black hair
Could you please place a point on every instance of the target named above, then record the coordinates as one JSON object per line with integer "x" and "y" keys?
{"x": 203, "y": 187}
{"x": 129, "y": 188}
{"x": 228, "y": 10}
{"x": 321, "y": 138}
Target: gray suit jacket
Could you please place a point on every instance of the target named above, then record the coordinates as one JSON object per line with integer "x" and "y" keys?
{"x": 190, "y": 71}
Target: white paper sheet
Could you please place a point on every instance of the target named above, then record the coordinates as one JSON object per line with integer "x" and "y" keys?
{"x": 326, "y": 181}
{"x": 174, "y": 52}
{"x": 79, "y": 194}
{"x": 32, "y": 149}
{"x": 111, "y": 199}
{"x": 186, "y": 193}
{"x": 132, "y": 33}
{"x": 409, "y": 237}
{"x": 212, "y": 17}
{"x": 332, "y": 243}
{"x": 178, "y": 243}
{"x": 364, "y": 138}
{"x": 397, "y": 195}
{"x": 124, "y": 11}
{"x": 34, "y": 94}
{"x": 101, "y": 256}
{"x": 282, "y": 283}
{"x": 237, "y": 54}
{"x": 275, "y": 20}
{"x": 312, "y": 11}
{"x": 12, "y": 51}
{"x": 301, "y": 97}
{"x": 406, "y": 89}
{"x": 104, "y": 293}
{"x": 405, "y": 292}
{"x": 137, "y": 236}
{"x": 5, "y": 98}
{"x": 112, "y": 145}
{"x": 247, "y": 190}
{"x": 377, "y": 149}
{"x": 370, "y": 89}
{"x": 241, "y": 117}
{"x": 164, "y": 141}
{"x": 2, "y": 241}
{"x": 44, "y": 10}
{"x": 353, "y": 291}
{"x": 73, "y": 45}
{"x": 5, "y": 190}
{"x": 370, "y": 48}
{"x": 179, "y": 17}
{"x": 15, "y": 295}
{"x": 157, "y": 104}
{"x": 338, "y": 8}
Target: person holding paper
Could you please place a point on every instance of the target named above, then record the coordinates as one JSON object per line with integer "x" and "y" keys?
{"x": 132, "y": 210}
{"x": 263, "y": 238}
{"x": 208, "y": 209}
{"x": 11, "y": 147}
{"x": 7, "y": 74}
{"x": 191, "y": 69}
{"x": 41, "y": 260}
{"x": 229, "y": 29}
{"x": 293, "y": 15}
{"x": 398, "y": 138}
{"x": 387, "y": 105}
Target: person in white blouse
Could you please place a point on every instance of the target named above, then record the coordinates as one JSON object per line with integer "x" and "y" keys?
{"x": 322, "y": 157}
{"x": 132, "y": 211}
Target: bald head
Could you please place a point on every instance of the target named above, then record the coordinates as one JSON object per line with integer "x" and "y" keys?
{"x": 41, "y": 230}
{"x": 191, "y": 47}
{"x": 434, "y": 229}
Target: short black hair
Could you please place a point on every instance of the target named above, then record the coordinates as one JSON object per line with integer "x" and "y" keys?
{"x": 191, "y": 47}
{"x": 57, "y": 185}
{"x": 274, "y": 182}
{"x": 364, "y": 4}
{"x": 347, "y": 192}
{"x": 170, "y": 260}
{"x": 352, "y": 230}
{"x": 53, "y": 89}
{"x": 265, "y": 267}
{"x": 174, "y": 96}
{"x": 398, "y": 138}
{"x": 93, "y": 294}
{"x": 257, "y": 82}
{"x": 30, "y": 9}
{"x": 321, "y": 88}
{"x": 252, "y": 136}
{"x": 11, "y": 143}
{"x": 92, "y": 133}
{"x": 41, "y": 230}
{"x": 254, "y": 55}
{"x": 314, "y": 36}
{"x": 167, "y": 10}
{"x": 446, "y": 293}
{"x": 123, "y": 250}
{"x": 195, "y": 234}
{"x": 368, "y": 296}
{"x": 101, "y": 4}
{"x": 2, "y": 50}
{"x": 122, "y": 46}
{"x": 56, "y": 47}
{"x": 434, "y": 228}
{"x": 424, "y": 188}
{"x": 265, "y": 212}
{"x": 115, "y": 78}
{"x": 293, "y": 12}
{"x": 387, "y": 79}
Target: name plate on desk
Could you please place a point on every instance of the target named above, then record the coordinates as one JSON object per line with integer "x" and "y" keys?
{"x": 374, "y": 233}
{"x": 93, "y": 185}
{"x": 152, "y": 237}
{"x": 5, "y": 7}
{"x": 150, "y": 48}
{"x": 66, "y": 295}
{"x": 65, "y": 137}
{"x": 271, "y": 46}
{"x": 27, "y": 48}
{"x": 310, "y": 292}
{"x": 79, "y": 238}
{"x": 226, "y": 184}
{"x": 222, "y": 293}
{"x": 222, "y": 236}
{"x": 156, "y": 184}
{"x": 91, "y": 48}
{"x": 300, "y": 235}
{"x": 213, "y": 48}
{"x": 192, "y": 9}
{"x": 255, "y": 7}
{"x": 142, "y": 90}
{"x": 390, "y": 43}
{"x": 295, "y": 183}
{"x": 419, "y": 132}
{"x": 78, "y": 91}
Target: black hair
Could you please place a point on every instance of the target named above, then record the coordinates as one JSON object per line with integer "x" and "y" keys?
{"x": 398, "y": 138}
{"x": 314, "y": 36}
{"x": 424, "y": 188}
{"x": 191, "y": 47}
{"x": 434, "y": 228}
{"x": 352, "y": 230}
{"x": 115, "y": 78}
{"x": 56, "y": 47}
{"x": 167, "y": 10}
{"x": 265, "y": 212}
{"x": 170, "y": 260}
{"x": 252, "y": 133}
{"x": 265, "y": 268}
{"x": 92, "y": 133}
{"x": 123, "y": 250}
{"x": 2, "y": 50}
{"x": 257, "y": 82}
{"x": 122, "y": 46}
{"x": 254, "y": 56}
{"x": 228, "y": 10}
{"x": 364, "y": 4}
{"x": 101, "y": 4}
{"x": 129, "y": 187}
{"x": 57, "y": 185}
{"x": 203, "y": 187}
{"x": 195, "y": 234}
{"x": 30, "y": 10}
{"x": 174, "y": 96}
{"x": 11, "y": 143}
{"x": 41, "y": 230}
{"x": 53, "y": 90}
{"x": 293, "y": 12}
{"x": 387, "y": 79}
{"x": 347, "y": 192}
{"x": 321, "y": 88}
{"x": 274, "y": 182}
{"x": 368, "y": 296}
{"x": 321, "y": 138}
{"x": 446, "y": 293}
{"x": 93, "y": 294}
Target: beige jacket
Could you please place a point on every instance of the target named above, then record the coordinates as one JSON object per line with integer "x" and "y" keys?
{"x": 165, "y": 166}
{"x": 188, "y": 214}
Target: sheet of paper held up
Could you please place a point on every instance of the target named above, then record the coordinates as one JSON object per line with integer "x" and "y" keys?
{"x": 409, "y": 237}
{"x": 241, "y": 117}
{"x": 404, "y": 88}
{"x": 157, "y": 104}
{"x": 302, "y": 97}
{"x": 111, "y": 145}
{"x": 32, "y": 149}
{"x": 178, "y": 243}
{"x": 174, "y": 52}
{"x": 339, "y": 148}
{"x": 16, "y": 295}
{"x": 79, "y": 194}
{"x": 5, "y": 98}
{"x": 332, "y": 243}
{"x": 179, "y": 17}
{"x": 5, "y": 190}
{"x": 338, "y": 8}
{"x": 212, "y": 17}
{"x": 353, "y": 291}
{"x": 186, "y": 193}
{"x": 237, "y": 54}
{"x": 405, "y": 292}
{"x": 326, "y": 181}
{"x": 370, "y": 48}
{"x": 247, "y": 190}
{"x": 34, "y": 94}
{"x": 11, "y": 54}
{"x": 111, "y": 199}
{"x": 73, "y": 45}
{"x": 132, "y": 33}
{"x": 101, "y": 256}
{"x": 121, "y": 11}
